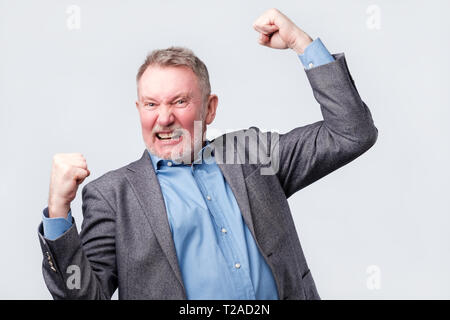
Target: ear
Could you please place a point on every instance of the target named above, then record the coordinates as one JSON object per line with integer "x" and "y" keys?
{"x": 213, "y": 101}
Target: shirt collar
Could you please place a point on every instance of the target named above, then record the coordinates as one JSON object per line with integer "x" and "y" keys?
{"x": 207, "y": 157}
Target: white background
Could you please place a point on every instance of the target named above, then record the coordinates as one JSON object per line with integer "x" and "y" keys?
{"x": 65, "y": 90}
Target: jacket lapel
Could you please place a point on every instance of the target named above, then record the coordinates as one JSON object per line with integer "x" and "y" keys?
{"x": 145, "y": 184}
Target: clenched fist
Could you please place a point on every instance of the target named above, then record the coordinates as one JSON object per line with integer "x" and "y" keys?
{"x": 68, "y": 171}
{"x": 278, "y": 32}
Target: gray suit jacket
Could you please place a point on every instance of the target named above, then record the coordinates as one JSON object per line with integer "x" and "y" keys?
{"x": 126, "y": 243}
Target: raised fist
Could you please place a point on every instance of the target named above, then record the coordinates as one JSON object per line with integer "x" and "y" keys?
{"x": 278, "y": 32}
{"x": 68, "y": 171}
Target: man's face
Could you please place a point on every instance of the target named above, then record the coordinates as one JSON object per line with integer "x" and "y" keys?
{"x": 169, "y": 101}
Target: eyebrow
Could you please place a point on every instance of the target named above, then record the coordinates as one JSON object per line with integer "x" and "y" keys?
{"x": 178, "y": 95}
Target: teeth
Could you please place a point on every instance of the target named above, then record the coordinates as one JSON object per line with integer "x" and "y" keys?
{"x": 165, "y": 135}
{"x": 168, "y": 135}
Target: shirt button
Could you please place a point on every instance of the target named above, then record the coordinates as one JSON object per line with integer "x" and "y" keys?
{"x": 310, "y": 65}
{"x": 208, "y": 197}
{"x": 169, "y": 164}
{"x": 237, "y": 265}
{"x": 224, "y": 230}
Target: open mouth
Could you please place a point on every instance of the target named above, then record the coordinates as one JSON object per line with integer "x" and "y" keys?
{"x": 174, "y": 135}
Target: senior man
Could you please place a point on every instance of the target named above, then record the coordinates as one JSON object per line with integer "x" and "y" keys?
{"x": 192, "y": 218}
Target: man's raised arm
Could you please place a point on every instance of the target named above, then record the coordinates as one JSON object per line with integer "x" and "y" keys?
{"x": 77, "y": 266}
{"x": 308, "y": 153}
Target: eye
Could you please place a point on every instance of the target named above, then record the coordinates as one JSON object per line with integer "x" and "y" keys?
{"x": 182, "y": 103}
{"x": 149, "y": 104}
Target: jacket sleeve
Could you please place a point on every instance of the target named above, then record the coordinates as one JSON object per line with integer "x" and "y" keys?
{"x": 83, "y": 266}
{"x": 347, "y": 130}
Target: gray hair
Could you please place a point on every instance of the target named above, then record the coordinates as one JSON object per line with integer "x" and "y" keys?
{"x": 178, "y": 57}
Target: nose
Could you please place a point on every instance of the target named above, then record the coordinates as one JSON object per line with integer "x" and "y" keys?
{"x": 165, "y": 116}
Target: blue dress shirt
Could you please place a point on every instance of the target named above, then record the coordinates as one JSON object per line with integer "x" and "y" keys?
{"x": 216, "y": 252}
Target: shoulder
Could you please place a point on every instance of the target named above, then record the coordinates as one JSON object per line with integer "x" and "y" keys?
{"x": 112, "y": 179}
{"x": 250, "y": 147}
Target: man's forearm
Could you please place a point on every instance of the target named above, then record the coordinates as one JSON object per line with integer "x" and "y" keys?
{"x": 98, "y": 275}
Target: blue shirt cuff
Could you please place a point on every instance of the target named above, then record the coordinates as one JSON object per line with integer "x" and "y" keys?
{"x": 315, "y": 55}
{"x": 55, "y": 227}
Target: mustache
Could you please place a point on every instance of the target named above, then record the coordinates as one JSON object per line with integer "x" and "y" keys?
{"x": 175, "y": 130}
